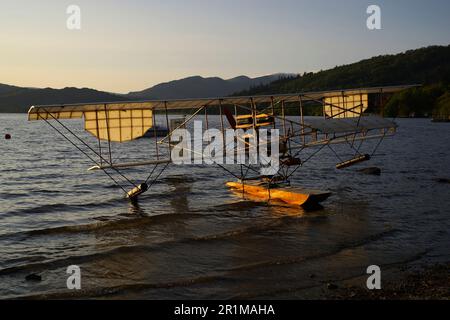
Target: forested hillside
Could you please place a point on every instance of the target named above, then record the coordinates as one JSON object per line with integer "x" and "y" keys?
{"x": 427, "y": 66}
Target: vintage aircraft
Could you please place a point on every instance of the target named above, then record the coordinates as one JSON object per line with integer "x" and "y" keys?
{"x": 347, "y": 119}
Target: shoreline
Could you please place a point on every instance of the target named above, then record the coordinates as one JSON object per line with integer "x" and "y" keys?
{"x": 399, "y": 282}
{"x": 427, "y": 282}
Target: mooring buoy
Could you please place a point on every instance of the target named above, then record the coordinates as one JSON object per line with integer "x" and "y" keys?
{"x": 7, "y": 136}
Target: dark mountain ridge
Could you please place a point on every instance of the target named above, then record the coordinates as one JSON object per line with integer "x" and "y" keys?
{"x": 199, "y": 87}
{"x": 17, "y": 99}
{"x": 20, "y": 99}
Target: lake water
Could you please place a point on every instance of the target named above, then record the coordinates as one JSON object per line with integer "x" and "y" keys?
{"x": 190, "y": 237}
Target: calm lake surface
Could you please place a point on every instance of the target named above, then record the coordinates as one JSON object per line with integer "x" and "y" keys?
{"x": 189, "y": 237}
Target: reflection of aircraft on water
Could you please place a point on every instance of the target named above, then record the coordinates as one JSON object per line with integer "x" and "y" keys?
{"x": 345, "y": 121}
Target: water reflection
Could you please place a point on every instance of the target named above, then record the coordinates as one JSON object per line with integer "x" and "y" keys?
{"x": 135, "y": 209}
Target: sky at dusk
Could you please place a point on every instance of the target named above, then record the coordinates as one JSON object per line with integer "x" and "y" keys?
{"x": 131, "y": 45}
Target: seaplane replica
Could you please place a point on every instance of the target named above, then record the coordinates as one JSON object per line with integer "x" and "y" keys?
{"x": 349, "y": 118}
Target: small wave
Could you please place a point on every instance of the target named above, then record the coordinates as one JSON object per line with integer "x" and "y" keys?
{"x": 237, "y": 232}
{"x": 45, "y": 208}
{"x": 9, "y": 195}
{"x": 125, "y": 288}
{"x": 110, "y": 225}
{"x": 271, "y": 224}
{"x": 58, "y": 207}
{"x": 45, "y": 191}
{"x": 62, "y": 262}
{"x": 295, "y": 260}
{"x": 179, "y": 179}
{"x": 11, "y": 170}
{"x": 119, "y": 222}
{"x": 238, "y": 205}
{"x": 111, "y": 186}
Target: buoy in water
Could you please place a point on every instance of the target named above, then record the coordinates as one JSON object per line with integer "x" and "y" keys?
{"x": 7, "y": 136}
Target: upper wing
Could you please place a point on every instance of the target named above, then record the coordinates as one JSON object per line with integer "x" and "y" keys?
{"x": 124, "y": 121}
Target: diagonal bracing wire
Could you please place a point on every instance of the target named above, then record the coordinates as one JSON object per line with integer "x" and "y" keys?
{"x": 85, "y": 144}
{"x": 86, "y": 154}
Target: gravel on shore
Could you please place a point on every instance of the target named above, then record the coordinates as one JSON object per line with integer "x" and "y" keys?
{"x": 431, "y": 283}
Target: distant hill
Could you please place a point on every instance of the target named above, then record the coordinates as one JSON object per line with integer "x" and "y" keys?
{"x": 199, "y": 87}
{"x": 16, "y": 99}
{"x": 424, "y": 66}
{"x": 4, "y": 88}
{"x": 428, "y": 66}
